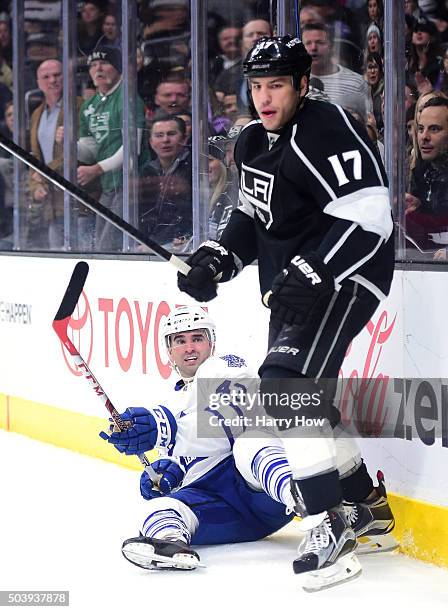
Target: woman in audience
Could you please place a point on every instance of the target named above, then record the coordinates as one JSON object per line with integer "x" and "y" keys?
{"x": 374, "y": 76}
{"x": 89, "y": 27}
{"x": 374, "y": 43}
{"x": 424, "y": 64}
{"x": 375, "y": 12}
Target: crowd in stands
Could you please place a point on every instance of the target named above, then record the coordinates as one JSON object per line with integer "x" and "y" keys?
{"x": 346, "y": 42}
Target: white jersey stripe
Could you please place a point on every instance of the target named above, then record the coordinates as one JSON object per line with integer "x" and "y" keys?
{"x": 335, "y": 339}
{"x": 340, "y": 242}
{"x": 370, "y": 153}
{"x": 310, "y": 166}
{"x": 319, "y": 332}
{"x": 359, "y": 263}
{"x": 245, "y": 206}
{"x": 361, "y": 280}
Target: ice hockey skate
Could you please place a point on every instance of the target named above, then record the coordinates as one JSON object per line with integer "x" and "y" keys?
{"x": 326, "y": 554}
{"x": 373, "y": 522}
{"x": 151, "y": 553}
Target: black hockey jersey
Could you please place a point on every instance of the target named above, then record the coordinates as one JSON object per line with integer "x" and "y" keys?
{"x": 316, "y": 186}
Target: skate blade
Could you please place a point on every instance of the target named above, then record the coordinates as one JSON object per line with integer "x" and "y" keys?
{"x": 368, "y": 545}
{"x": 143, "y": 555}
{"x": 345, "y": 569}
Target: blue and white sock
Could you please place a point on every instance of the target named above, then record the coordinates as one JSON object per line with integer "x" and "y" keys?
{"x": 166, "y": 525}
{"x": 271, "y": 469}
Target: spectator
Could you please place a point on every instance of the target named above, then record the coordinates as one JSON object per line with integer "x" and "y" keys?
{"x": 411, "y": 8}
{"x": 166, "y": 34}
{"x": 218, "y": 123}
{"x": 6, "y": 38}
{"x": 444, "y": 75}
{"x": 341, "y": 84}
{"x": 374, "y": 42}
{"x": 222, "y": 201}
{"x": 316, "y": 90}
{"x": 230, "y": 107}
{"x": 5, "y": 72}
{"x": 425, "y": 64}
{"x": 410, "y": 96}
{"x": 375, "y": 13}
{"x": 374, "y": 76}
{"x": 229, "y": 41}
{"x": 6, "y": 181}
{"x": 40, "y": 47}
{"x": 441, "y": 22}
{"x": 251, "y": 32}
{"x": 5, "y": 98}
{"x": 428, "y": 8}
{"x": 165, "y": 212}
{"x": 111, "y": 31}
{"x": 415, "y": 157}
{"x": 410, "y": 128}
{"x": 164, "y": 19}
{"x": 374, "y": 135}
{"x": 371, "y": 12}
{"x": 242, "y": 120}
{"x": 427, "y": 202}
{"x": 308, "y": 14}
{"x": 231, "y": 81}
{"x": 148, "y": 77}
{"x": 101, "y": 140}
{"x": 172, "y": 96}
{"x": 89, "y": 27}
{"x": 186, "y": 118}
{"x": 230, "y": 140}
{"x": 344, "y": 28}
{"x": 46, "y": 207}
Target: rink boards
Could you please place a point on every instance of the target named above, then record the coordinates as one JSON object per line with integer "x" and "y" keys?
{"x": 116, "y": 330}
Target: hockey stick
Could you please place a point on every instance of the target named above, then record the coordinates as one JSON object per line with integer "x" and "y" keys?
{"x": 60, "y": 325}
{"x": 91, "y": 203}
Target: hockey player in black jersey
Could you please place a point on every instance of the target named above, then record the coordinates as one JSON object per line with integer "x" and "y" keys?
{"x": 314, "y": 210}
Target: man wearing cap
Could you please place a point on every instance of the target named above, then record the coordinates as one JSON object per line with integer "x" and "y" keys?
{"x": 101, "y": 140}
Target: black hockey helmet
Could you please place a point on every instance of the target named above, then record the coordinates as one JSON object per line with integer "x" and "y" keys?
{"x": 278, "y": 55}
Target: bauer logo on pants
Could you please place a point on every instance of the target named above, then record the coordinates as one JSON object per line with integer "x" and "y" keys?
{"x": 257, "y": 187}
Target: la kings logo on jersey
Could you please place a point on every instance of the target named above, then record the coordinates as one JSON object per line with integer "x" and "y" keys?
{"x": 257, "y": 187}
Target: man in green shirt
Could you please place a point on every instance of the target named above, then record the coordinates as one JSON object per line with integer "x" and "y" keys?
{"x": 100, "y": 144}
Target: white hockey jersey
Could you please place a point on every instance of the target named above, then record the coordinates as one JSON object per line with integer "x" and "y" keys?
{"x": 211, "y": 411}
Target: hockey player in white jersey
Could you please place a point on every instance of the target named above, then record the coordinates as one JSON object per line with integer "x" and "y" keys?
{"x": 201, "y": 497}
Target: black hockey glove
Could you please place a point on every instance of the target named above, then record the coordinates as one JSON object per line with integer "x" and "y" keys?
{"x": 212, "y": 263}
{"x": 298, "y": 291}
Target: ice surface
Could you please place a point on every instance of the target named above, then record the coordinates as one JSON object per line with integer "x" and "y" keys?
{"x": 63, "y": 517}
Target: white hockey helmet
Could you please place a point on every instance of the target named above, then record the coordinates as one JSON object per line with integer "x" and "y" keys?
{"x": 188, "y": 318}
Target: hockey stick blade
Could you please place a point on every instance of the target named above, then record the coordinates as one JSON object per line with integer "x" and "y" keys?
{"x": 87, "y": 200}
{"x": 73, "y": 292}
{"x": 60, "y": 326}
